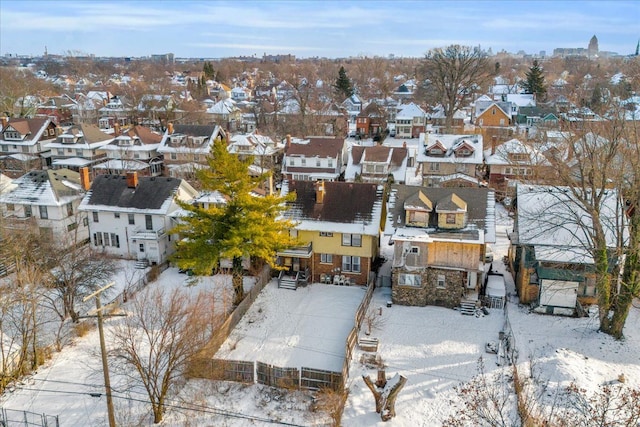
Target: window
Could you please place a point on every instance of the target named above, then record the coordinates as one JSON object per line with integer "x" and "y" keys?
{"x": 72, "y": 226}
{"x": 293, "y": 233}
{"x": 27, "y": 211}
{"x": 44, "y": 213}
{"x": 326, "y": 258}
{"x": 116, "y": 214}
{"x": 136, "y": 155}
{"x": 291, "y": 162}
{"x": 414, "y": 250}
{"x": 330, "y": 161}
{"x": 326, "y": 234}
{"x": 507, "y": 171}
{"x": 115, "y": 240}
{"x": 69, "y": 209}
{"x": 97, "y": 237}
{"x": 351, "y": 264}
{"x": 141, "y": 247}
{"x": 493, "y": 111}
{"x": 106, "y": 239}
{"x": 352, "y": 240}
{"x": 148, "y": 221}
{"x": 60, "y": 151}
{"x": 85, "y": 221}
{"x": 174, "y": 156}
{"x": 303, "y": 161}
{"x": 78, "y": 152}
{"x": 317, "y": 162}
{"x": 441, "y": 284}
{"x": 132, "y": 219}
{"x": 5, "y": 148}
{"x": 434, "y": 166}
{"x": 409, "y": 280}
{"x": 451, "y": 218}
{"x": 501, "y": 122}
{"x": 95, "y": 216}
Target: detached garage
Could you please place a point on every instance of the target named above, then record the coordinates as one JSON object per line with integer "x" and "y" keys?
{"x": 558, "y": 291}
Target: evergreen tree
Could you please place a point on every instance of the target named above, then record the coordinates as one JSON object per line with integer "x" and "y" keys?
{"x": 535, "y": 82}
{"x": 343, "y": 85}
{"x": 244, "y": 226}
{"x": 208, "y": 70}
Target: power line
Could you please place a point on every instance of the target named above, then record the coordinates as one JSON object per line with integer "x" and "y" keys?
{"x": 204, "y": 409}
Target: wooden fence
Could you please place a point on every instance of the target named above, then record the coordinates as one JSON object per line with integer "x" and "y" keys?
{"x": 206, "y": 366}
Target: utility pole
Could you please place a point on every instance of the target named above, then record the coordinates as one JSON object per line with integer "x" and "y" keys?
{"x": 103, "y": 350}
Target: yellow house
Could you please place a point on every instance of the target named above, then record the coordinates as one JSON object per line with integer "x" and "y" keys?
{"x": 339, "y": 225}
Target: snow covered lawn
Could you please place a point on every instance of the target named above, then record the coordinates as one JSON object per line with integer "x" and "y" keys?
{"x": 307, "y": 327}
{"x": 435, "y": 348}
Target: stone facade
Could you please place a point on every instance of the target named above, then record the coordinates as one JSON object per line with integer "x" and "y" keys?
{"x": 429, "y": 293}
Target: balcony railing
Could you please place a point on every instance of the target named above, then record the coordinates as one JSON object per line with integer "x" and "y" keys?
{"x": 143, "y": 234}
{"x": 297, "y": 251}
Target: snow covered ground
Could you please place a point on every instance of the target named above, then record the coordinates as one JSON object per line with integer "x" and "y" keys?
{"x": 435, "y": 348}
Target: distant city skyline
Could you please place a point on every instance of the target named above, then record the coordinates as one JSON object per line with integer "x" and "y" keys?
{"x": 333, "y": 29}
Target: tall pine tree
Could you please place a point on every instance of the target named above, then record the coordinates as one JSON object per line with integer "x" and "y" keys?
{"x": 244, "y": 226}
{"x": 535, "y": 82}
{"x": 343, "y": 86}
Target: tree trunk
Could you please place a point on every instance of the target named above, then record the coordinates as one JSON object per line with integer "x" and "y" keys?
{"x": 237, "y": 278}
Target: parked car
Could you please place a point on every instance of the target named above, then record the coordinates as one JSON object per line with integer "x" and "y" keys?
{"x": 488, "y": 255}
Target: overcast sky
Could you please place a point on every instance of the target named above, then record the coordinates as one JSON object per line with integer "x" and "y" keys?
{"x": 215, "y": 29}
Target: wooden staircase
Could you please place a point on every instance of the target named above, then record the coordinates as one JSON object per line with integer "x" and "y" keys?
{"x": 288, "y": 283}
{"x": 468, "y": 308}
{"x": 142, "y": 263}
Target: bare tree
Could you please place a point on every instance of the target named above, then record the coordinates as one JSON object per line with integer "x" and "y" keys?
{"x": 451, "y": 74}
{"x": 163, "y": 331}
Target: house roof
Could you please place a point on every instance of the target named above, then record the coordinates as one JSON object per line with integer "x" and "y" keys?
{"x": 30, "y": 129}
{"x": 553, "y": 221}
{"x": 316, "y": 147}
{"x": 152, "y": 193}
{"x": 394, "y": 157}
{"x": 480, "y": 208}
{"x": 45, "y": 187}
{"x": 482, "y": 108}
{"x": 347, "y": 207}
{"x": 410, "y": 111}
{"x": 514, "y": 146}
{"x": 450, "y": 143}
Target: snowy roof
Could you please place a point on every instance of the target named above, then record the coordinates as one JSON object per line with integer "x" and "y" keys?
{"x": 521, "y": 99}
{"x": 226, "y": 106}
{"x": 116, "y": 164}
{"x": 552, "y": 218}
{"x": 190, "y": 138}
{"x": 395, "y": 158}
{"x": 49, "y": 188}
{"x": 449, "y": 144}
{"x": 112, "y": 192}
{"x": 503, "y": 151}
{"x": 480, "y": 210}
{"x": 6, "y": 184}
{"x": 72, "y": 161}
{"x": 347, "y": 207}
{"x": 409, "y": 111}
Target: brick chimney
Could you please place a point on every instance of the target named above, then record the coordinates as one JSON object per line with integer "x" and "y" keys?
{"x": 288, "y": 144}
{"x": 5, "y": 120}
{"x": 319, "y": 192}
{"x": 116, "y": 129}
{"x": 85, "y": 179}
{"x": 494, "y": 142}
{"x": 170, "y": 128}
{"x": 132, "y": 179}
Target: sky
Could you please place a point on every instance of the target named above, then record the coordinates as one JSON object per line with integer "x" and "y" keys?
{"x": 329, "y": 28}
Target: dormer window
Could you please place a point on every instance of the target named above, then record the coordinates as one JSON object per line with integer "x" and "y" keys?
{"x": 12, "y": 135}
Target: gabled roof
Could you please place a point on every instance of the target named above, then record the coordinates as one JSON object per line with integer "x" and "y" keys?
{"x": 480, "y": 208}
{"x": 554, "y": 222}
{"x": 30, "y": 129}
{"x": 112, "y": 191}
{"x": 394, "y": 157}
{"x": 316, "y": 147}
{"x": 410, "y": 111}
{"x": 501, "y": 106}
{"x": 347, "y": 207}
{"x": 45, "y": 187}
{"x": 450, "y": 144}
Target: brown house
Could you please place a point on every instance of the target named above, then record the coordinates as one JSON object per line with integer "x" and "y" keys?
{"x": 493, "y": 116}
{"x": 439, "y": 237}
{"x": 371, "y": 121}
{"x": 23, "y": 144}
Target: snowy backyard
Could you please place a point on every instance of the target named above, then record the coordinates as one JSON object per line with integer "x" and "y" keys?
{"x": 437, "y": 349}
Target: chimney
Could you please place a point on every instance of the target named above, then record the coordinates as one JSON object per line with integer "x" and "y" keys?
{"x": 288, "y": 141}
{"x": 170, "y": 128}
{"x": 404, "y": 144}
{"x": 320, "y": 192}
{"x": 116, "y": 129}
{"x": 494, "y": 142}
{"x": 132, "y": 179}
{"x": 5, "y": 120}
{"x": 85, "y": 180}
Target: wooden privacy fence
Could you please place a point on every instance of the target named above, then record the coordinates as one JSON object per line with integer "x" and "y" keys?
{"x": 206, "y": 366}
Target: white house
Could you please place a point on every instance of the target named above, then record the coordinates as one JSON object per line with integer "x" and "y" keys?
{"x": 130, "y": 216}
{"x": 47, "y": 200}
